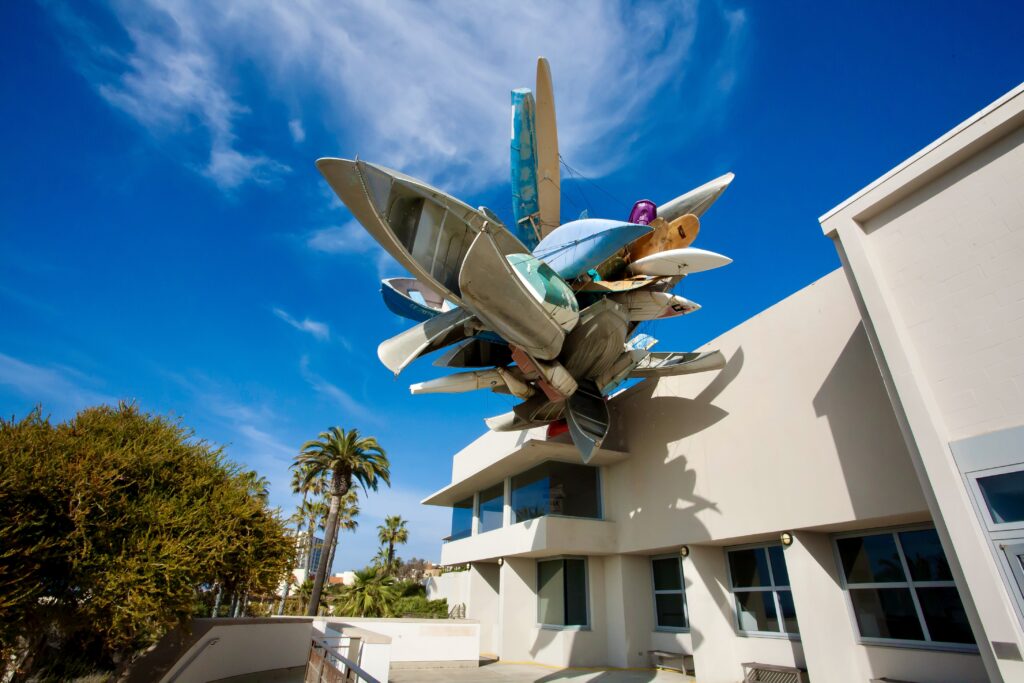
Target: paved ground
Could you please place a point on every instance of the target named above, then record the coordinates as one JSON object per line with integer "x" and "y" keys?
{"x": 498, "y": 672}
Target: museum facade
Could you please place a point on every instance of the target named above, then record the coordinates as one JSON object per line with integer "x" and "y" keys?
{"x": 845, "y": 497}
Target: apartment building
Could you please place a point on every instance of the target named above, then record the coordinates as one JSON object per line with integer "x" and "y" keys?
{"x": 845, "y": 497}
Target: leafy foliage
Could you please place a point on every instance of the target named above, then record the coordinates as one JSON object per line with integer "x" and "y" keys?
{"x": 373, "y": 594}
{"x": 112, "y": 526}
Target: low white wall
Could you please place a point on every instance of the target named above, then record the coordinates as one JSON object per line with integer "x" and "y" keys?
{"x": 239, "y": 649}
{"x": 454, "y": 641}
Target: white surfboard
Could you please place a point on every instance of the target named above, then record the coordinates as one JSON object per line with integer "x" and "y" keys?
{"x": 644, "y": 304}
{"x": 678, "y": 262}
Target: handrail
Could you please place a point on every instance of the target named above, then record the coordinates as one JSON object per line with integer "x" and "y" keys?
{"x": 195, "y": 655}
{"x": 350, "y": 666}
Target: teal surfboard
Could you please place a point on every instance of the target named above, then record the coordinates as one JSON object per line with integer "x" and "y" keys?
{"x": 524, "y": 168}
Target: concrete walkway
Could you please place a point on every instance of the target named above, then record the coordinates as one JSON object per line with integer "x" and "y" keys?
{"x": 498, "y": 672}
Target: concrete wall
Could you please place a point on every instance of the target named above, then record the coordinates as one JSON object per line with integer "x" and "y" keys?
{"x": 234, "y": 647}
{"x": 482, "y": 603}
{"x": 453, "y": 587}
{"x": 450, "y": 642}
{"x": 932, "y": 251}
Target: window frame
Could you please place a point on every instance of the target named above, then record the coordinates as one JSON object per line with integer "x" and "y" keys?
{"x": 586, "y": 593}
{"x": 982, "y": 502}
{"x": 599, "y": 470}
{"x": 909, "y": 583}
{"x": 781, "y": 634}
{"x": 682, "y": 591}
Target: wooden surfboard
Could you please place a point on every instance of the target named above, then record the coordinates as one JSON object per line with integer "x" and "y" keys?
{"x": 549, "y": 184}
{"x": 677, "y": 234}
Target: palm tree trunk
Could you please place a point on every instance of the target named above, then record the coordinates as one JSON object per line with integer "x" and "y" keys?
{"x": 284, "y": 598}
{"x": 339, "y": 485}
{"x": 216, "y": 601}
{"x": 334, "y": 546}
{"x": 391, "y": 555}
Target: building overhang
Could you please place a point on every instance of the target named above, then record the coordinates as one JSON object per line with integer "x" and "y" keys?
{"x": 540, "y": 537}
{"x": 530, "y": 452}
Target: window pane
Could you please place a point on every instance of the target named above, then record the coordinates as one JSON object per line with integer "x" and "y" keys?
{"x": 530, "y": 496}
{"x": 556, "y": 488}
{"x": 666, "y": 574}
{"x": 945, "y": 615}
{"x": 462, "y": 519}
{"x": 779, "y": 572}
{"x": 669, "y": 607}
{"x": 551, "y": 593}
{"x": 575, "y": 593}
{"x": 886, "y": 613}
{"x": 1004, "y": 495}
{"x": 757, "y": 611}
{"x": 748, "y": 568}
{"x": 574, "y": 490}
{"x": 788, "y": 612}
{"x": 492, "y": 506}
{"x": 924, "y": 555}
{"x": 870, "y": 559}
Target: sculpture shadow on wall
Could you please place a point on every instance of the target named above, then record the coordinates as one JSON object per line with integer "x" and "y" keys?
{"x": 657, "y": 424}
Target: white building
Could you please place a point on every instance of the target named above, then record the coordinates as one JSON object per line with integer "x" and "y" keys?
{"x": 873, "y": 421}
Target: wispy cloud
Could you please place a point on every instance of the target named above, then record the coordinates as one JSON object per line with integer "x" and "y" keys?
{"x": 351, "y": 238}
{"x": 170, "y": 78}
{"x": 418, "y": 85}
{"x": 318, "y": 329}
{"x": 56, "y": 387}
{"x": 297, "y": 131}
{"x": 334, "y": 393}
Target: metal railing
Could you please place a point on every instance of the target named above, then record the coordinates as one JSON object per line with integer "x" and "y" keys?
{"x": 325, "y": 665}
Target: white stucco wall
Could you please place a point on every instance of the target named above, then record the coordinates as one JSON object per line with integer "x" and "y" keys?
{"x": 932, "y": 250}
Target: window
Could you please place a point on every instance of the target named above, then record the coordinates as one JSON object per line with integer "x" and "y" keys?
{"x": 901, "y": 588}
{"x": 760, "y": 584}
{"x": 492, "y": 508}
{"x": 669, "y": 593}
{"x": 462, "y": 519}
{"x": 562, "y": 592}
{"x": 1002, "y": 496}
{"x": 556, "y": 488}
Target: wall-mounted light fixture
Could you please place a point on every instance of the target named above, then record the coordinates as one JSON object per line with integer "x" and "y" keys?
{"x": 786, "y": 538}
{"x": 501, "y": 561}
{"x": 684, "y": 551}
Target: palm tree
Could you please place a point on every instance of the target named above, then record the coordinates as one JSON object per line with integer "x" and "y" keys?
{"x": 372, "y": 594}
{"x": 341, "y": 457}
{"x": 346, "y": 520}
{"x": 391, "y": 533}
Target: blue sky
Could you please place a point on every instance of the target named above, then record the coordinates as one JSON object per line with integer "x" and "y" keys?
{"x": 167, "y": 239}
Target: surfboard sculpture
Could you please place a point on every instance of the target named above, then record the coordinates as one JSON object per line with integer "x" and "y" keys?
{"x": 541, "y": 311}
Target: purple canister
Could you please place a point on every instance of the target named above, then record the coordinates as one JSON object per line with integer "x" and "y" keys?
{"x": 644, "y": 211}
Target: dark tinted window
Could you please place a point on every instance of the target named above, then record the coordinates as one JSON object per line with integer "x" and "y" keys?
{"x": 462, "y": 519}
{"x": 666, "y": 574}
{"x": 870, "y": 559}
{"x": 925, "y": 558}
{"x": 492, "y": 507}
{"x": 556, "y": 488}
{"x": 1004, "y": 496}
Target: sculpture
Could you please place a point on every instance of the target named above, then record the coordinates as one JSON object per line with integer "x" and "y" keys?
{"x": 542, "y": 311}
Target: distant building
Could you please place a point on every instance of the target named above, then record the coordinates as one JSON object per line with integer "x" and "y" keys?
{"x": 346, "y": 578}
{"x": 846, "y": 496}
{"x": 314, "y": 557}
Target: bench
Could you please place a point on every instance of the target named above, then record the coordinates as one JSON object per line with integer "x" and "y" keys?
{"x": 756, "y": 672}
{"x": 685, "y": 660}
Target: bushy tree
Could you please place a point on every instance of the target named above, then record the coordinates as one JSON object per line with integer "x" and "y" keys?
{"x": 372, "y": 594}
{"x": 113, "y": 526}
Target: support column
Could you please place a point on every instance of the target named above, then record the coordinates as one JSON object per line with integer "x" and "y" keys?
{"x": 517, "y": 608}
{"x": 830, "y": 643}
{"x": 629, "y": 604}
{"x": 711, "y": 616}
